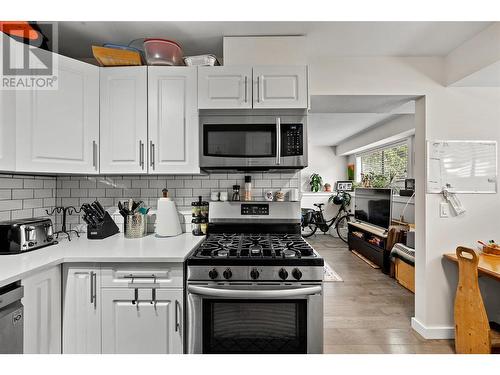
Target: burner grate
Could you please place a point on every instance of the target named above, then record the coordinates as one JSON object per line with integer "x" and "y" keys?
{"x": 229, "y": 245}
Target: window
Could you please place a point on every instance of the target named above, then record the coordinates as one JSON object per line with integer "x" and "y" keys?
{"x": 388, "y": 161}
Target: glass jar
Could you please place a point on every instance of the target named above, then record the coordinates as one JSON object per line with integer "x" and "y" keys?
{"x": 204, "y": 226}
{"x": 248, "y": 188}
{"x": 196, "y": 227}
{"x": 204, "y": 209}
{"x": 195, "y": 209}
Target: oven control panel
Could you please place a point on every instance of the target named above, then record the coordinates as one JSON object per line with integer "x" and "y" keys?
{"x": 254, "y": 209}
{"x": 292, "y": 140}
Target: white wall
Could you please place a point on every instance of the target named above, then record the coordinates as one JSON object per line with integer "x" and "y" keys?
{"x": 323, "y": 160}
{"x": 443, "y": 113}
{"x": 395, "y": 129}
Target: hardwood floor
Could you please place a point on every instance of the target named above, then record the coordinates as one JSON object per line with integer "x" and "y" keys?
{"x": 368, "y": 312}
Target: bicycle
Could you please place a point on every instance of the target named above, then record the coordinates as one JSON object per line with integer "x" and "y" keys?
{"x": 314, "y": 219}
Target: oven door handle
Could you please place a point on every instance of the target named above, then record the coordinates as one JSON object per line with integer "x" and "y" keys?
{"x": 238, "y": 293}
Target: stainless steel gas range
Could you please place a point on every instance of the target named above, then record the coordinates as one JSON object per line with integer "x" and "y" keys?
{"x": 254, "y": 285}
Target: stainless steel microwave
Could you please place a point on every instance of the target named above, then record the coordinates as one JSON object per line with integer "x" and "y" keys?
{"x": 253, "y": 142}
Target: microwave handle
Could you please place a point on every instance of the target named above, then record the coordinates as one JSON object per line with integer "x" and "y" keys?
{"x": 238, "y": 293}
{"x": 278, "y": 141}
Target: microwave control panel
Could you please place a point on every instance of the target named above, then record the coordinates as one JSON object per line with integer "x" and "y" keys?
{"x": 292, "y": 140}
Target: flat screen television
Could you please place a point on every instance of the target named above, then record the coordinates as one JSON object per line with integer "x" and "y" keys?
{"x": 373, "y": 206}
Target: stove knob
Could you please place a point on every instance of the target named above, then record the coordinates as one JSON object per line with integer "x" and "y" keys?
{"x": 297, "y": 274}
{"x": 227, "y": 274}
{"x": 213, "y": 274}
{"x": 254, "y": 274}
{"x": 283, "y": 274}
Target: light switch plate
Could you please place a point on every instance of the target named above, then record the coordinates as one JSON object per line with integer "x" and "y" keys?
{"x": 444, "y": 210}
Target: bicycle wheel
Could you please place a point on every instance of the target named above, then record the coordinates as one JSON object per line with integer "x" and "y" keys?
{"x": 308, "y": 230}
{"x": 343, "y": 228}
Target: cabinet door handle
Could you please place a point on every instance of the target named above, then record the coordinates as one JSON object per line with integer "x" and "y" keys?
{"x": 94, "y": 277}
{"x": 152, "y": 152}
{"x": 278, "y": 141}
{"x": 141, "y": 154}
{"x": 94, "y": 154}
{"x": 91, "y": 287}
{"x": 246, "y": 89}
{"x": 177, "y": 322}
{"x": 258, "y": 89}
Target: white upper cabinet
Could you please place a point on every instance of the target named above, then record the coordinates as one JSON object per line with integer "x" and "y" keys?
{"x": 58, "y": 130}
{"x": 81, "y": 310}
{"x": 7, "y": 130}
{"x": 280, "y": 87}
{"x": 221, "y": 87}
{"x": 124, "y": 119}
{"x": 42, "y": 312}
{"x": 226, "y": 87}
{"x": 173, "y": 120}
{"x": 142, "y": 326}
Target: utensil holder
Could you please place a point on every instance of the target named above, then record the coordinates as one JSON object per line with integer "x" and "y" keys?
{"x": 135, "y": 226}
{"x": 102, "y": 230}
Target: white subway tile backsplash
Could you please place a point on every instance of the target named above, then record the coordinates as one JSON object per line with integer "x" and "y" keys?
{"x": 44, "y": 193}
{"x": 11, "y": 183}
{"x": 141, "y": 184}
{"x": 11, "y": 205}
{"x": 21, "y": 214}
{"x": 31, "y": 196}
{"x": 71, "y": 184}
{"x": 33, "y": 203}
{"x": 194, "y": 184}
{"x": 157, "y": 184}
{"x": 5, "y": 194}
{"x": 97, "y": 193}
{"x": 49, "y": 184}
{"x": 22, "y": 193}
{"x": 210, "y": 184}
{"x": 171, "y": 184}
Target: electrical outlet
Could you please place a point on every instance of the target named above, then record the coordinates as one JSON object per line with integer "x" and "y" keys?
{"x": 444, "y": 209}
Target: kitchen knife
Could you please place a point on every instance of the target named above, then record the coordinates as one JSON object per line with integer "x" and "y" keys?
{"x": 98, "y": 213}
{"x": 101, "y": 208}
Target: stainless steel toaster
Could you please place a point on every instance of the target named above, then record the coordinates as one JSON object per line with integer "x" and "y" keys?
{"x": 21, "y": 235}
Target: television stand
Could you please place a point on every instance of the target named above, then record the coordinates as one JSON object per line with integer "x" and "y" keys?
{"x": 371, "y": 242}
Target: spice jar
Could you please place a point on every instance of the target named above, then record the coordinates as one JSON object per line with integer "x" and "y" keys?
{"x": 204, "y": 209}
{"x": 196, "y": 207}
{"x": 196, "y": 227}
{"x": 204, "y": 226}
{"x": 248, "y": 189}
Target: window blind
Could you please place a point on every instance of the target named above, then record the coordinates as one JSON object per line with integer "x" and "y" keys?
{"x": 388, "y": 161}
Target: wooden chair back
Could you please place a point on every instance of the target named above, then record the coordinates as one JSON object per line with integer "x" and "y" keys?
{"x": 472, "y": 330}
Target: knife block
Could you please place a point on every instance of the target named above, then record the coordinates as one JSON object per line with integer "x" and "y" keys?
{"x": 102, "y": 230}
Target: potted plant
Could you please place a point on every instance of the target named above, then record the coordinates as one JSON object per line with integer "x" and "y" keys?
{"x": 316, "y": 182}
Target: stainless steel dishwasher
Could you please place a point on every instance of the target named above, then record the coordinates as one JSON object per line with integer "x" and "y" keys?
{"x": 11, "y": 319}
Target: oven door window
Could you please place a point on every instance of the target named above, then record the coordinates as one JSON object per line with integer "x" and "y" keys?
{"x": 254, "y": 326}
{"x": 239, "y": 140}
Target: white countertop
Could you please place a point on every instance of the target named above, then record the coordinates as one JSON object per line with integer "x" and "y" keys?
{"x": 116, "y": 248}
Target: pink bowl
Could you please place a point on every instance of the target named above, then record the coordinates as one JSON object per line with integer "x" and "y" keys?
{"x": 163, "y": 52}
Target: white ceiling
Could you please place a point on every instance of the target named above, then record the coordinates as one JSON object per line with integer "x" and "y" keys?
{"x": 335, "y": 118}
{"x": 324, "y": 39}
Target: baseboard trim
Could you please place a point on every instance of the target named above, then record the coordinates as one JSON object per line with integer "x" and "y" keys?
{"x": 433, "y": 333}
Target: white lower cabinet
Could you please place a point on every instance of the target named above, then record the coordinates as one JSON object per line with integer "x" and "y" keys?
{"x": 42, "y": 312}
{"x": 142, "y": 326}
{"x": 111, "y": 308}
{"x": 81, "y": 310}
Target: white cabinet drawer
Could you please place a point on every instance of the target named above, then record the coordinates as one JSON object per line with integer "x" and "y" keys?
{"x": 163, "y": 275}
